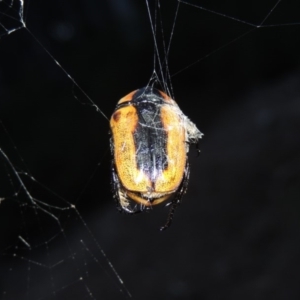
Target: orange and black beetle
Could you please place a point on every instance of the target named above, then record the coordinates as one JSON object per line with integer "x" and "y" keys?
{"x": 150, "y": 141}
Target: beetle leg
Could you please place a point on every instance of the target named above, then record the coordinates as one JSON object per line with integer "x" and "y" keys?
{"x": 176, "y": 201}
{"x": 197, "y": 148}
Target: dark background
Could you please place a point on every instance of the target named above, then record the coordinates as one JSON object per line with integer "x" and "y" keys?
{"x": 236, "y": 235}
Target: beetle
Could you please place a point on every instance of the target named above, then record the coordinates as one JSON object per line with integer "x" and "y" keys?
{"x": 150, "y": 139}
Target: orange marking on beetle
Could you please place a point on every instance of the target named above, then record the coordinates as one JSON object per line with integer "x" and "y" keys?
{"x": 170, "y": 179}
{"x": 134, "y": 196}
{"x": 131, "y": 178}
{"x": 166, "y": 97}
{"x": 127, "y": 98}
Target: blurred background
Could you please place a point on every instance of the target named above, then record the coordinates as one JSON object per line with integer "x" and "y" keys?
{"x": 236, "y": 234}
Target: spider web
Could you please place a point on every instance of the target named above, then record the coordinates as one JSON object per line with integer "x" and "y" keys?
{"x": 61, "y": 235}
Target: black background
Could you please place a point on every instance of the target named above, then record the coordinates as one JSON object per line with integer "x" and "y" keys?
{"x": 236, "y": 235}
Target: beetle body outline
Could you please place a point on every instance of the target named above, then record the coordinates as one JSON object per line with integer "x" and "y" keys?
{"x": 149, "y": 144}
